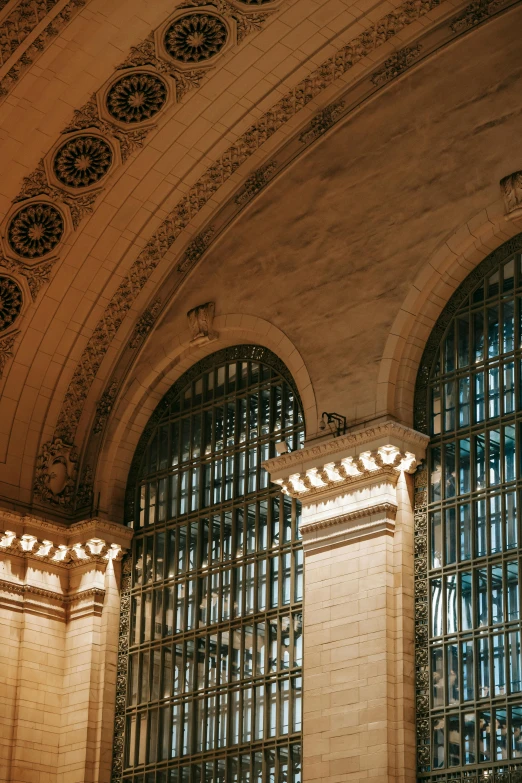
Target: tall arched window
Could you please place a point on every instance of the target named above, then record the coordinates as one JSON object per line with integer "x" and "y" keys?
{"x": 214, "y": 679}
{"x": 467, "y": 528}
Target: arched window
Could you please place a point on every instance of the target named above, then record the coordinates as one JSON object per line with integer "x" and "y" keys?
{"x": 214, "y": 679}
{"x": 467, "y": 529}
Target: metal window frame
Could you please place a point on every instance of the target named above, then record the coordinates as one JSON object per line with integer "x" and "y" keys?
{"x": 508, "y": 770}
{"x": 244, "y": 353}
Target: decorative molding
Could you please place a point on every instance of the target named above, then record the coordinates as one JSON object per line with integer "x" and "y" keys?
{"x": 474, "y": 14}
{"x": 388, "y": 509}
{"x": 18, "y": 26}
{"x": 88, "y": 117}
{"x": 200, "y": 321}
{"x": 352, "y": 440}
{"x": 85, "y": 493}
{"x": 79, "y": 531}
{"x": 511, "y": 189}
{"x": 396, "y": 64}
{"x": 122, "y": 672}
{"x": 6, "y": 349}
{"x": 56, "y": 473}
{"x": 195, "y": 250}
{"x": 420, "y": 568}
{"x": 322, "y": 122}
{"x": 255, "y": 182}
{"x": 145, "y": 323}
{"x": 11, "y": 301}
{"x": 338, "y": 476}
{"x": 145, "y": 54}
{"x": 104, "y": 406}
{"x": 363, "y": 45}
{"x": 95, "y": 550}
{"x": 37, "y": 184}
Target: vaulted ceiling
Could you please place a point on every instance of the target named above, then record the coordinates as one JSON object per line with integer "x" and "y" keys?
{"x": 294, "y": 161}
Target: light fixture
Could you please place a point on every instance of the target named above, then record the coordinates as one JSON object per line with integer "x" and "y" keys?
{"x": 335, "y": 422}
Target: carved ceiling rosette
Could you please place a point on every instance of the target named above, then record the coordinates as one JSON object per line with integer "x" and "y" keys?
{"x": 194, "y": 39}
{"x": 136, "y": 97}
{"x": 81, "y": 162}
{"x": 35, "y": 230}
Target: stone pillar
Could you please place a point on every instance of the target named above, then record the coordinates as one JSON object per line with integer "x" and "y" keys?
{"x": 59, "y": 609}
{"x": 357, "y": 529}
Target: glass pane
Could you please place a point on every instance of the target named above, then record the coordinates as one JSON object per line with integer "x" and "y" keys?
{"x": 208, "y": 451}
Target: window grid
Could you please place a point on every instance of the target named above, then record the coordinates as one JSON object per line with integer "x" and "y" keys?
{"x": 473, "y": 562}
{"x": 214, "y": 686}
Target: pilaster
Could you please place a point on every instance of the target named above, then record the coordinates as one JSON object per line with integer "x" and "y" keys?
{"x": 59, "y": 607}
{"x": 357, "y": 529}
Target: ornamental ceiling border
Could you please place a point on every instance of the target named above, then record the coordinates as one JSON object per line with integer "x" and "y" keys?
{"x": 17, "y": 47}
{"x": 217, "y": 174}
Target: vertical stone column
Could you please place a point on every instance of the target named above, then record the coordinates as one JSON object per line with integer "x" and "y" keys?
{"x": 59, "y": 609}
{"x": 357, "y": 529}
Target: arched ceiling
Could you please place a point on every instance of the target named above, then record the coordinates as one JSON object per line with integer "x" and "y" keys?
{"x": 139, "y": 145}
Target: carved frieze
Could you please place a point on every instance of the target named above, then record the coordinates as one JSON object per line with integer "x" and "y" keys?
{"x": 396, "y": 64}
{"x": 35, "y": 230}
{"x": 195, "y": 249}
{"x": 11, "y": 301}
{"x": 475, "y": 13}
{"x": 145, "y": 323}
{"x": 322, "y": 122}
{"x": 104, "y": 406}
{"x": 200, "y": 321}
{"x": 255, "y": 182}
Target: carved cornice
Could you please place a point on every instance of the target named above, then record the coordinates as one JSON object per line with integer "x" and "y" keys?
{"x": 80, "y": 544}
{"x": 50, "y": 603}
{"x": 352, "y": 440}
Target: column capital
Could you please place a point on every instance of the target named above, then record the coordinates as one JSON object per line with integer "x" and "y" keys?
{"x": 56, "y": 570}
{"x": 348, "y": 485}
{"x": 327, "y": 467}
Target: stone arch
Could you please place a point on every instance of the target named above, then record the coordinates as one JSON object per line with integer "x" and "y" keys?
{"x": 155, "y": 376}
{"x": 438, "y": 279}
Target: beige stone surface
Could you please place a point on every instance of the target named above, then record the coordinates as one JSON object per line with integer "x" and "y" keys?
{"x": 59, "y": 631}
